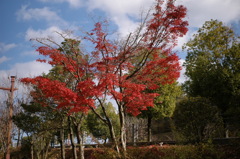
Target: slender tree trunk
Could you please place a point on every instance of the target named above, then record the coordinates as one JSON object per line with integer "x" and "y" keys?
{"x": 77, "y": 121}
{"x": 113, "y": 136}
{"x": 62, "y": 144}
{"x": 32, "y": 155}
{"x": 18, "y": 137}
{"x": 46, "y": 149}
{"x": 133, "y": 135}
{"x": 123, "y": 131}
{"x": 110, "y": 126}
{"x": 80, "y": 140}
{"x": 74, "y": 151}
{"x": 112, "y": 132}
{"x": 42, "y": 147}
{"x": 149, "y": 128}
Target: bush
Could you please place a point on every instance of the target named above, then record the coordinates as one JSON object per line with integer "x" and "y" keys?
{"x": 196, "y": 119}
{"x": 204, "y": 151}
{"x": 200, "y": 151}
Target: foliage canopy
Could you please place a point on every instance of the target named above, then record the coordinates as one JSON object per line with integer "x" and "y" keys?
{"x": 213, "y": 65}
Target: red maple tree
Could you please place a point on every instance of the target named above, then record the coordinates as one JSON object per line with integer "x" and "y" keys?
{"x": 121, "y": 70}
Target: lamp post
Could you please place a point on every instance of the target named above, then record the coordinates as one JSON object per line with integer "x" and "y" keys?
{"x": 9, "y": 130}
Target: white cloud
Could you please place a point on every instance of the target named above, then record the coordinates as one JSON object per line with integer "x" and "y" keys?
{"x": 122, "y": 12}
{"x": 21, "y": 70}
{"x": 125, "y": 25}
{"x": 28, "y": 69}
{"x": 198, "y": 12}
{"x": 72, "y": 3}
{"x": 5, "y": 47}
{"x": 120, "y": 7}
{"x": 38, "y": 14}
{"x": 53, "y": 33}
{"x": 50, "y": 33}
{"x": 205, "y": 10}
{"x": 3, "y": 59}
{"x": 29, "y": 53}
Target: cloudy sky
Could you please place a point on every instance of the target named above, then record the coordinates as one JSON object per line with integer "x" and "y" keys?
{"x": 22, "y": 20}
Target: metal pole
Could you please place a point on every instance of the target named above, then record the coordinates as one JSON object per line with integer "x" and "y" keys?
{"x": 9, "y": 130}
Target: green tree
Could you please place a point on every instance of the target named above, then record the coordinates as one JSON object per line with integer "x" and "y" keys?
{"x": 71, "y": 47}
{"x": 164, "y": 105}
{"x": 98, "y": 128}
{"x": 196, "y": 119}
{"x": 66, "y": 121}
{"x": 213, "y": 67}
{"x": 40, "y": 124}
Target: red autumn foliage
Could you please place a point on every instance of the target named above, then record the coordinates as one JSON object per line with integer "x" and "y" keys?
{"x": 122, "y": 71}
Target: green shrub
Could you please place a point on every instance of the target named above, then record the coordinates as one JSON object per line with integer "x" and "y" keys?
{"x": 196, "y": 120}
{"x": 202, "y": 151}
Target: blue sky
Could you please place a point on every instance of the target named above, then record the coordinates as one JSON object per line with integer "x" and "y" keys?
{"x": 22, "y": 20}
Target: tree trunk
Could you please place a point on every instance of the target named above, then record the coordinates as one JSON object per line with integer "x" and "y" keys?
{"x": 77, "y": 121}
{"x": 110, "y": 126}
{"x": 133, "y": 135}
{"x": 80, "y": 140}
{"x": 111, "y": 129}
{"x": 46, "y": 149}
{"x": 41, "y": 147}
{"x": 113, "y": 136}
{"x": 74, "y": 151}
{"x": 32, "y": 155}
{"x": 123, "y": 131}
{"x": 62, "y": 144}
{"x": 149, "y": 128}
{"x": 18, "y": 137}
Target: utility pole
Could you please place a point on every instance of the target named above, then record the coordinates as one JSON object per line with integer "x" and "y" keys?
{"x": 9, "y": 130}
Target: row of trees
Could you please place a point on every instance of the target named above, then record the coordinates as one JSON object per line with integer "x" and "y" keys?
{"x": 129, "y": 71}
{"x": 212, "y": 66}
{"x": 139, "y": 75}
{"x": 213, "y": 71}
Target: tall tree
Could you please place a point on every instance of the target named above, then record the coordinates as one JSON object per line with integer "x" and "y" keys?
{"x": 75, "y": 120}
{"x": 112, "y": 71}
{"x": 60, "y": 75}
{"x": 20, "y": 97}
{"x": 39, "y": 124}
{"x": 213, "y": 67}
{"x": 164, "y": 104}
{"x": 3, "y": 125}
